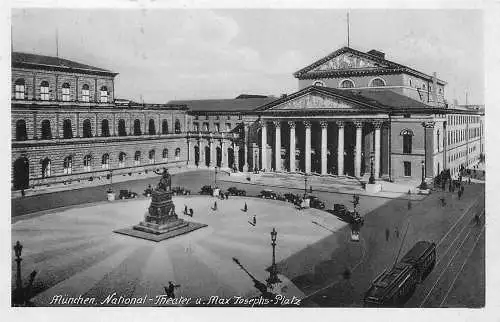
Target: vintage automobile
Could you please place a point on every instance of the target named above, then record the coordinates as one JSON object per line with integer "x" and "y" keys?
{"x": 315, "y": 202}
{"x": 179, "y": 191}
{"x": 148, "y": 191}
{"x": 346, "y": 215}
{"x": 290, "y": 197}
{"x": 268, "y": 194}
{"x": 127, "y": 194}
{"x": 206, "y": 190}
{"x": 233, "y": 191}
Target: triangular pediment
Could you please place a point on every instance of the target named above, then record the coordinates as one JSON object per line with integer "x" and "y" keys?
{"x": 347, "y": 61}
{"x": 312, "y": 101}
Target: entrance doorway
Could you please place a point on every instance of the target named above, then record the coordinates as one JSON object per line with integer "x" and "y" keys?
{"x": 21, "y": 174}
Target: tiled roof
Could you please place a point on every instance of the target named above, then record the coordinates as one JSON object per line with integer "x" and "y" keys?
{"x": 388, "y": 98}
{"x": 224, "y": 105}
{"x": 51, "y": 61}
{"x": 386, "y": 65}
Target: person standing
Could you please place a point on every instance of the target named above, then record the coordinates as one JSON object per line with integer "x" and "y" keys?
{"x": 215, "y": 205}
{"x": 387, "y": 234}
{"x": 254, "y": 220}
{"x": 191, "y": 212}
{"x": 170, "y": 289}
{"x": 245, "y": 208}
{"x": 185, "y": 210}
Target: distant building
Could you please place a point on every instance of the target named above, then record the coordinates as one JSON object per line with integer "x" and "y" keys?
{"x": 351, "y": 108}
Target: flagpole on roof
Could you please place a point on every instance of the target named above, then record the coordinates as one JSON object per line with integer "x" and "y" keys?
{"x": 348, "y": 40}
{"x": 57, "y": 42}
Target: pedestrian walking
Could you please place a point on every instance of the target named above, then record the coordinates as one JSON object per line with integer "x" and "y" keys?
{"x": 191, "y": 212}
{"x": 387, "y": 234}
{"x": 215, "y": 206}
{"x": 245, "y": 208}
{"x": 185, "y": 210}
{"x": 170, "y": 289}
{"x": 254, "y": 220}
{"x": 396, "y": 232}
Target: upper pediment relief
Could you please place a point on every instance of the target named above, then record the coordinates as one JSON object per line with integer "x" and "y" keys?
{"x": 347, "y": 61}
{"x": 312, "y": 101}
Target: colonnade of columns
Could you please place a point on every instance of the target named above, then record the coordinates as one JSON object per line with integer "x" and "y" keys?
{"x": 324, "y": 138}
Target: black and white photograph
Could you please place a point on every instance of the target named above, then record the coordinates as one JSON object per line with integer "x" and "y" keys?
{"x": 247, "y": 158}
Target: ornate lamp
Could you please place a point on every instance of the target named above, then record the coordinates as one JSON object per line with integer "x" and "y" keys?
{"x": 273, "y": 273}
{"x": 372, "y": 177}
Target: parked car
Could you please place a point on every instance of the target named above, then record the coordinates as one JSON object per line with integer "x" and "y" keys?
{"x": 346, "y": 215}
{"x": 233, "y": 191}
{"x": 315, "y": 202}
{"x": 180, "y": 191}
{"x": 148, "y": 191}
{"x": 127, "y": 194}
{"x": 268, "y": 194}
{"x": 207, "y": 190}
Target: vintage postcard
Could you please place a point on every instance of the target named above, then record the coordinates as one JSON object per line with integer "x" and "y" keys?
{"x": 247, "y": 157}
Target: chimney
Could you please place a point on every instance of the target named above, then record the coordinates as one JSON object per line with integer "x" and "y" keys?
{"x": 377, "y": 53}
{"x": 434, "y": 89}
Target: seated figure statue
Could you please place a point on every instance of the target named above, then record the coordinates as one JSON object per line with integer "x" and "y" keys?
{"x": 165, "y": 181}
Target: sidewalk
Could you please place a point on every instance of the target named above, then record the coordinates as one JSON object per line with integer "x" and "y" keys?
{"x": 341, "y": 185}
{"x": 96, "y": 182}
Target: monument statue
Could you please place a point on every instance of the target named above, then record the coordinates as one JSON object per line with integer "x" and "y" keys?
{"x": 165, "y": 183}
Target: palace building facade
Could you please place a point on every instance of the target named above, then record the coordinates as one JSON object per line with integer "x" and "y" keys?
{"x": 353, "y": 110}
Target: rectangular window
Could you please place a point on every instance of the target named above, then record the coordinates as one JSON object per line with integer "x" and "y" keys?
{"x": 87, "y": 168}
{"x": 104, "y": 96}
{"x": 407, "y": 168}
{"x": 85, "y": 95}
{"x": 217, "y": 127}
{"x": 19, "y": 92}
{"x": 196, "y": 127}
{"x": 44, "y": 93}
{"x": 228, "y": 127}
{"x": 65, "y": 94}
{"x": 407, "y": 143}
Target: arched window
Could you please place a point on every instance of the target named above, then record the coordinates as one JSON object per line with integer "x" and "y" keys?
{"x": 68, "y": 165}
{"x": 377, "y": 82}
{"x": 20, "y": 89}
{"x": 105, "y": 161}
{"x": 104, "y": 94}
{"x": 65, "y": 92}
{"x": 105, "y": 128}
{"x": 164, "y": 154}
{"x": 67, "y": 129}
{"x": 407, "y": 140}
{"x": 121, "y": 159}
{"x": 347, "y": 83}
{"x": 46, "y": 168}
{"x": 164, "y": 127}
{"x": 21, "y": 134}
{"x": 137, "y": 158}
{"x": 177, "y": 154}
{"x": 46, "y": 130}
{"x": 152, "y": 157}
{"x": 87, "y": 163}
{"x": 44, "y": 91}
{"x": 151, "y": 127}
{"x": 137, "y": 127}
{"x": 85, "y": 93}
{"x": 196, "y": 127}
{"x": 177, "y": 126}
{"x": 121, "y": 128}
{"x": 87, "y": 129}
{"x": 319, "y": 83}
{"x": 205, "y": 126}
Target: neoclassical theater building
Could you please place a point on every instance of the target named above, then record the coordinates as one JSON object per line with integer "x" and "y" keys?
{"x": 352, "y": 109}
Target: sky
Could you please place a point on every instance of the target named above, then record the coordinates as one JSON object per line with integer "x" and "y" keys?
{"x": 166, "y": 54}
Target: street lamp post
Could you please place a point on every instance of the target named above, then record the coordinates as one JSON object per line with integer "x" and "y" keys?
{"x": 372, "y": 177}
{"x": 273, "y": 274}
{"x": 18, "y": 248}
{"x": 305, "y": 185}
{"x": 215, "y": 176}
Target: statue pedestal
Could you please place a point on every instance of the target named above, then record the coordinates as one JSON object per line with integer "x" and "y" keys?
{"x": 161, "y": 221}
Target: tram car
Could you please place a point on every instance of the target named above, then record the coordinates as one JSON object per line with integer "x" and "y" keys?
{"x": 423, "y": 257}
{"x": 395, "y": 286}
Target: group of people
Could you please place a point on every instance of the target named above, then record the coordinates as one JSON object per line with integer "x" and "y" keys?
{"x": 188, "y": 212}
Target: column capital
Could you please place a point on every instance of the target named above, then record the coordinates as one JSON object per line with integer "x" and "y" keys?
{"x": 340, "y": 124}
{"x": 291, "y": 124}
{"x": 277, "y": 124}
{"x": 261, "y": 123}
{"x": 428, "y": 125}
{"x": 323, "y": 124}
{"x": 358, "y": 124}
{"x": 307, "y": 124}
{"x": 377, "y": 124}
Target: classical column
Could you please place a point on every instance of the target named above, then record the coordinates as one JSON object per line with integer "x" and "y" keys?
{"x": 357, "y": 161}
{"x": 245, "y": 148}
{"x": 263, "y": 158}
{"x": 223, "y": 163}
{"x": 429, "y": 148}
{"x": 307, "y": 126}
{"x": 324, "y": 126}
{"x": 340, "y": 148}
{"x": 277, "y": 146}
{"x": 292, "y": 145}
{"x": 236, "y": 154}
{"x": 213, "y": 161}
{"x": 190, "y": 147}
{"x": 377, "y": 125}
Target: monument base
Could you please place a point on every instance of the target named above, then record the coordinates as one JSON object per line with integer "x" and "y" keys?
{"x": 158, "y": 237}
